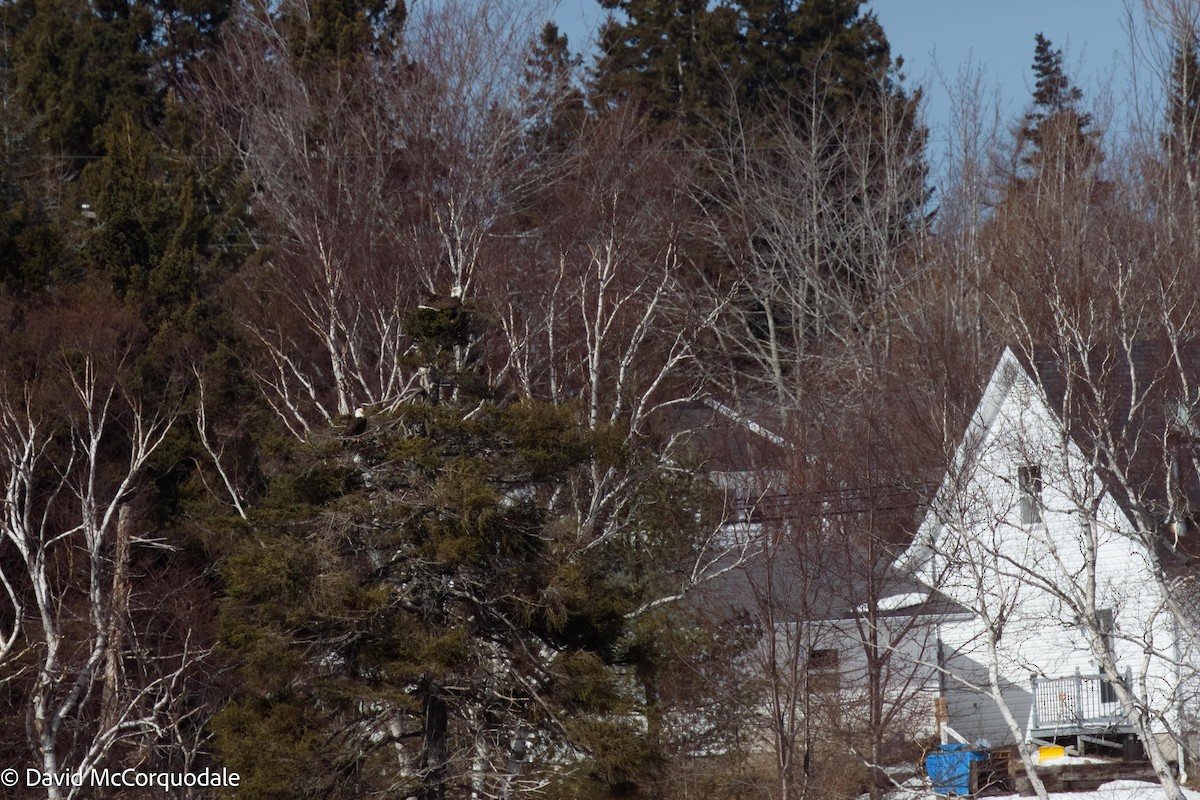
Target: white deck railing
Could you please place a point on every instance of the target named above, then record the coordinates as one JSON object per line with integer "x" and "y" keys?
{"x": 1075, "y": 704}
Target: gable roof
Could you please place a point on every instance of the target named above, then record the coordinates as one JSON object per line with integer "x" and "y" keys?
{"x": 1134, "y": 412}
{"x": 1005, "y": 375}
{"x": 822, "y": 584}
{"x": 724, "y": 440}
{"x": 781, "y": 484}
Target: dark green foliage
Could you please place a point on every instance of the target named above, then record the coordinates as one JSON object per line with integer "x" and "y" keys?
{"x": 150, "y": 230}
{"x": 327, "y": 35}
{"x": 286, "y": 744}
{"x": 34, "y": 247}
{"x": 1056, "y": 132}
{"x": 1052, "y": 91}
{"x": 691, "y": 62}
{"x": 440, "y": 562}
{"x": 152, "y": 235}
{"x": 78, "y": 65}
{"x": 184, "y": 30}
{"x": 669, "y": 56}
{"x": 32, "y": 250}
{"x": 439, "y": 327}
{"x": 1182, "y": 139}
{"x": 97, "y": 159}
{"x": 546, "y": 439}
{"x": 829, "y": 46}
{"x": 553, "y": 102}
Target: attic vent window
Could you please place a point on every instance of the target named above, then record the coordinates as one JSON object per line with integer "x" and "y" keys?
{"x": 1023, "y": 390}
{"x": 1029, "y": 481}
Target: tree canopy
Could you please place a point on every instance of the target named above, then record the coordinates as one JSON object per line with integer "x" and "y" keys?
{"x": 1056, "y": 131}
{"x": 592, "y": 317}
{"x": 694, "y": 62}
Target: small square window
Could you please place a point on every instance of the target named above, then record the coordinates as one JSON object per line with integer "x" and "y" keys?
{"x": 822, "y": 659}
{"x": 1029, "y": 480}
{"x": 1104, "y": 624}
{"x": 824, "y": 669}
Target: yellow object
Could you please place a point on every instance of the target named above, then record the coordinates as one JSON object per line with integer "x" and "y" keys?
{"x": 1050, "y": 753}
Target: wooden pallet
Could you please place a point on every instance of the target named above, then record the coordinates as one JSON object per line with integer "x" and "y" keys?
{"x": 994, "y": 776}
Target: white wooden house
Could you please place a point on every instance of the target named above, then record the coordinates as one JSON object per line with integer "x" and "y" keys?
{"x": 1021, "y": 564}
{"x": 1025, "y": 534}
{"x": 843, "y": 634}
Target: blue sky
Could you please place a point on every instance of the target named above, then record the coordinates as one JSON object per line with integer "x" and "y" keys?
{"x": 938, "y": 37}
{"x": 998, "y": 34}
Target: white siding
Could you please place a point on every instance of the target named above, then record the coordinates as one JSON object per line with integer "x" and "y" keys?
{"x": 910, "y": 678}
{"x": 1032, "y": 580}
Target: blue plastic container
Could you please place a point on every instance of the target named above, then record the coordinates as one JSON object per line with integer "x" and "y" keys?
{"x": 950, "y": 768}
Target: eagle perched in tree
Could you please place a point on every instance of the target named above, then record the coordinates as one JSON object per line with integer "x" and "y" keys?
{"x": 357, "y": 424}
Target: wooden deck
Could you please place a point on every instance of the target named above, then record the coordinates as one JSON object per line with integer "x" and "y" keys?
{"x": 1074, "y": 705}
{"x": 1004, "y": 773}
{"x": 1082, "y": 777}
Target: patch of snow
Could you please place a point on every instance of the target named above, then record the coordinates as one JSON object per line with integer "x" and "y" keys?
{"x": 1114, "y": 790}
{"x": 1080, "y": 760}
{"x": 897, "y": 601}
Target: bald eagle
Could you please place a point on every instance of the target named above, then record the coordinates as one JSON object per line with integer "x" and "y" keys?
{"x": 357, "y": 424}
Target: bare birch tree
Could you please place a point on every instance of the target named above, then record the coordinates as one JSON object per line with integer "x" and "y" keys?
{"x": 1081, "y": 269}
{"x": 75, "y": 443}
{"x": 816, "y": 216}
{"x": 1100, "y": 306}
{"x": 376, "y": 181}
{"x": 593, "y": 305}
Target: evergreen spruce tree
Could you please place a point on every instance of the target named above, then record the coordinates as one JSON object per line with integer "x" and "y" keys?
{"x": 417, "y": 610}
{"x": 327, "y": 35}
{"x": 85, "y": 85}
{"x": 1056, "y": 133}
{"x": 794, "y": 48}
{"x": 79, "y": 64}
{"x": 150, "y": 229}
{"x": 554, "y": 102}
{"x": 34, "y": 249}
{"x": 183, "y": 31}
{"x": 1053, "y": 91}
{"x": 693, "y": 62}
{"x": 676, "y": 58}
{"x": 1182, "y": 138}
